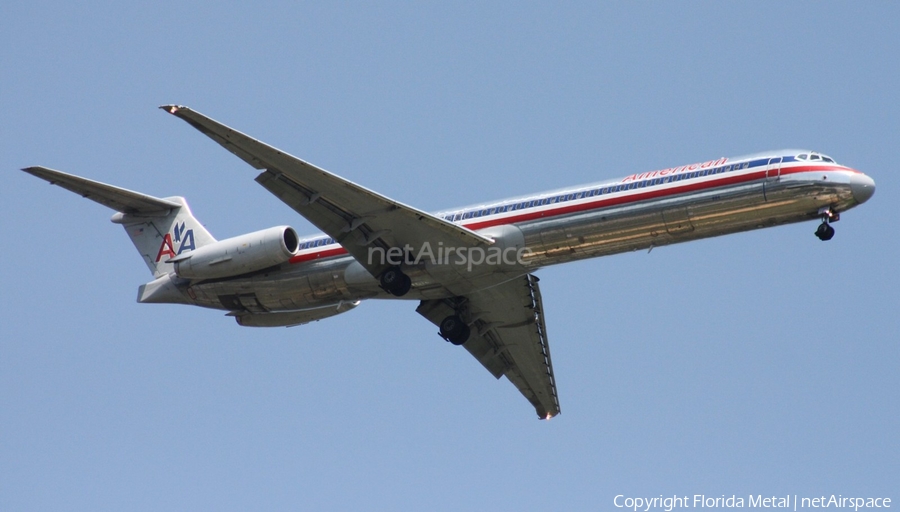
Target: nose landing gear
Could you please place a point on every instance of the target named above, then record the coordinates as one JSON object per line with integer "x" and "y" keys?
{"x": 825, "y": 232}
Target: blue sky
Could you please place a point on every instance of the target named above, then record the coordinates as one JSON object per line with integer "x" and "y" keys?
{"x": 764, "y": 362}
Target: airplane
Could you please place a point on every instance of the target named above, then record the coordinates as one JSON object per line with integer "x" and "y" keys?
{"x": 471, "y": 269}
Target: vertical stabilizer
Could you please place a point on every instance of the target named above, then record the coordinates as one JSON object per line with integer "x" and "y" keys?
{"x": 159, "y": 228}
{"x": 160, "y": 236}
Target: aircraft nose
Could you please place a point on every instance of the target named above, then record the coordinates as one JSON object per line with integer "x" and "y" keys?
{"x": 862, "y": 187}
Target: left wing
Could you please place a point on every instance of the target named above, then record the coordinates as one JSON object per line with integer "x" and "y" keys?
{"x": 508, "y": 337}
{"x": 354, "y": 216}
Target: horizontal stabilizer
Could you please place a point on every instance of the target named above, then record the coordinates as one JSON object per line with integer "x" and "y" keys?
{"x": 119, "y": 199}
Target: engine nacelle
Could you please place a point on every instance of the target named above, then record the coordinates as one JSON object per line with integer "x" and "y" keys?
{"x": 238, "y": 255}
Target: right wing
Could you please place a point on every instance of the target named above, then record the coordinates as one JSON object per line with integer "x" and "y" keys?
{"x": 354, "y": 216}
{"x": 508, "y": 337}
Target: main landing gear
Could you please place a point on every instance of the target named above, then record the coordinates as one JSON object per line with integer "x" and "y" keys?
{"x": 454, "y": 330}
{"x": 825, "y": 232}
{"x": 395, "y": 282}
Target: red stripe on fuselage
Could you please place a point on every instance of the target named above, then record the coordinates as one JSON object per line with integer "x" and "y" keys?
{"x": 633, "y": 197}
{"x": 327, "y": 253}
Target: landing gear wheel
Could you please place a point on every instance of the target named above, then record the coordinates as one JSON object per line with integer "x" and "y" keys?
{"x": 395, "y": 282}
{"x": 825, "y": 231}
{"x": 454, "y": 330}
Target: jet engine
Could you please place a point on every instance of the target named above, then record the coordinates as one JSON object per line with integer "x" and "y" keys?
{"x": 238, "y": 255}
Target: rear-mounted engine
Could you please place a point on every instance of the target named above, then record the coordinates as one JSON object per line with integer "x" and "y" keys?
{"x": 238, "y": 255}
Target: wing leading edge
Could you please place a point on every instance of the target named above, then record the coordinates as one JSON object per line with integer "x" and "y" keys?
{"x": 509, "y": 337}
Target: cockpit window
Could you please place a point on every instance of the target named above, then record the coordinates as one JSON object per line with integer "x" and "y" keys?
{"x": 815, "y": 157}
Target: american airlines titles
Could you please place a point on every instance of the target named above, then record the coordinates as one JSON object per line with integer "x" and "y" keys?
{"x": 675, "y": 170}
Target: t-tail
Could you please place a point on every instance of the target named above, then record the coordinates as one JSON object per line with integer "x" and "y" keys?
{"x": 161, "y": 229}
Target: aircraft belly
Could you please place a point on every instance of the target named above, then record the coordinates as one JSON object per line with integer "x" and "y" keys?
{"x": 288, "y": 288}
{"x": 655, "y": 223}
